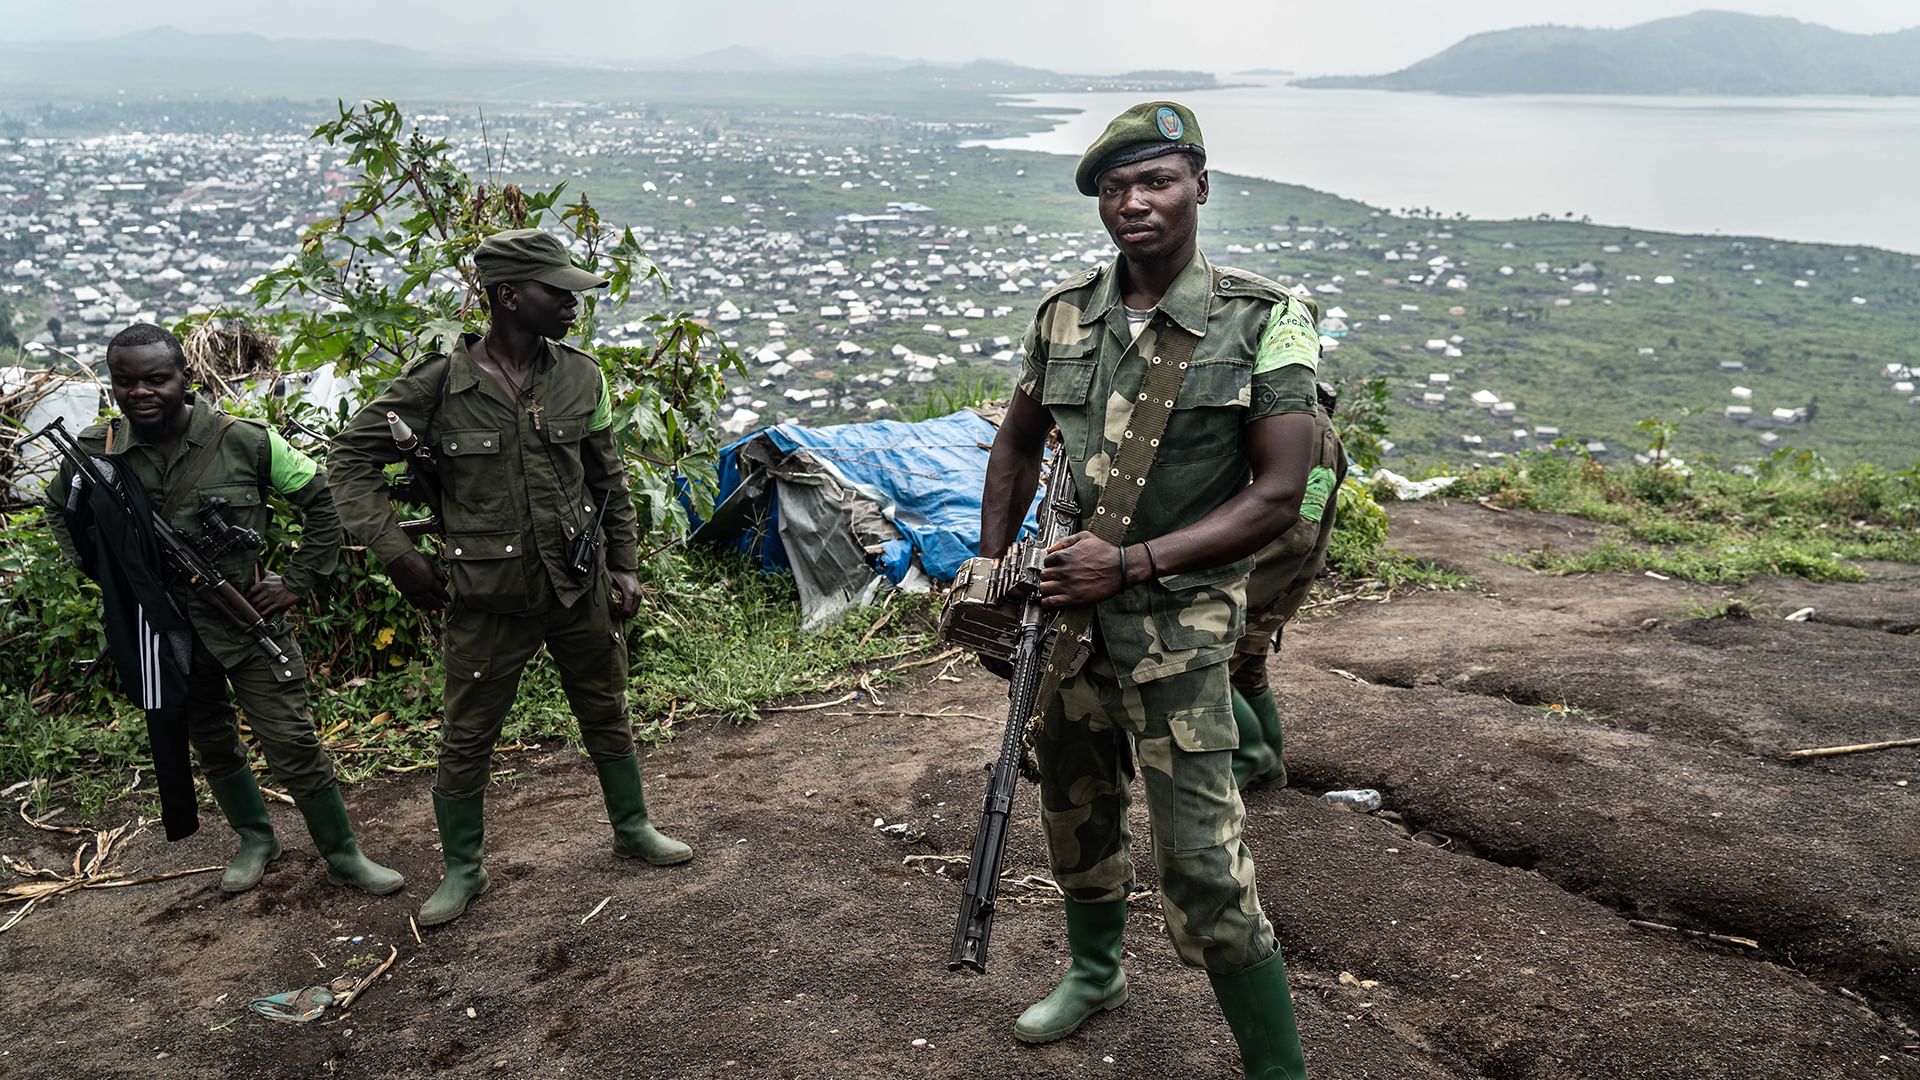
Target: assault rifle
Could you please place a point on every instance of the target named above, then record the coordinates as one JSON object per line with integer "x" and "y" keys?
{"x": 994, "y": 609}
{"x": 183, "y": 560}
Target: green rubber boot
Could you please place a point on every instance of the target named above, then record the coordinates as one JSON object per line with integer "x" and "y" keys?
{"x": 1093, "y": 982}
{"x": 1268, "y": 710}
{"x": 634, "y": 837}
{"x": 1259, "y": 1010}
{"x": 238, "y": 794}
{"x": 326, "y": 815}
{"x": 1253, "y": 759}
{"x": 462, "y": 827}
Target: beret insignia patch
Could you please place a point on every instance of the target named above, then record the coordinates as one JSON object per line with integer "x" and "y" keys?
{"x": 1169, "y": 122}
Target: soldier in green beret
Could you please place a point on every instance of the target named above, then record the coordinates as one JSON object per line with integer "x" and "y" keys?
{"x": 1227, "y": 476}
{"x": 524, "y": 429}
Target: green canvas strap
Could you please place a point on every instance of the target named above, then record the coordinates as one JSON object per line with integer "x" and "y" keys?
{"x": 195, "y": 466}
{"x": 1126, "y": 479}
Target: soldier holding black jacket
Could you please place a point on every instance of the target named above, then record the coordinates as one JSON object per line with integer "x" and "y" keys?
{"x": 186, "y": 453}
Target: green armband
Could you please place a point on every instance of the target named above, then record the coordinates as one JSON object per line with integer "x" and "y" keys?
{"x": 1319, "y": 489}
{"x": 602, "y": 409}
{"x": 289, "y": 470}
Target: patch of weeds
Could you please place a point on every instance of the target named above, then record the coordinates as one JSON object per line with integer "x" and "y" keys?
{"x": 1733, "y": 564}
{"x": 730, "y": 635}
{"x": 723, "y": 636}
{"x": 1732, "y": 607}
{"x": 1793, "y": 515}
{"x": 1561, "y": 708}
{"x": 1358, "y": 549}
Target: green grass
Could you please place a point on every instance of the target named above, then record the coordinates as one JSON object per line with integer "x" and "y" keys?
{"x": 722, "y": 637}
{"x": 1793, "y": 516}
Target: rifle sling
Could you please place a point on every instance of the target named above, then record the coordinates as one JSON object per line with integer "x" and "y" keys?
{"x": 1139, "y": 447}
{"x": 196, "y": 465}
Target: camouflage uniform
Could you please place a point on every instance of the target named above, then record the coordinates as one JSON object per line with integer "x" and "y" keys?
{"x": 250, "y": 463}
{"x": 1156, "y": 688}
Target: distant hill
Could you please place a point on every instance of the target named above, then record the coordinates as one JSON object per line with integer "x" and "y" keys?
{"x": 1707, "y": 52}
{"x": 164, "y": 62}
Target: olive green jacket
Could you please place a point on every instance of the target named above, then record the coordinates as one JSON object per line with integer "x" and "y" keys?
{"x": 516, "y": 495}
{"x": 1255, "y": 358}
{"x": 251, "y": 462}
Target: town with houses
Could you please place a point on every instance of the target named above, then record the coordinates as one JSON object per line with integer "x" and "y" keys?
{"x": 865, "y": 281}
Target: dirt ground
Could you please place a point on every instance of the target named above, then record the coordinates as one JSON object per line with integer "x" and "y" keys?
{"x": 1478, "y": 928}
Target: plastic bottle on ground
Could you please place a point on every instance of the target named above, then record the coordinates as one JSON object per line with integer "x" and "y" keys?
{"x": 1359, "y": 800}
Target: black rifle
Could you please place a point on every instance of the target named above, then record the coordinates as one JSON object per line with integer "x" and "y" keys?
{"x": 421, "y": 481}
{"x": 1016, "y": 582}
{"x": 183, "y": 561}
{"x": 586, "y": 546}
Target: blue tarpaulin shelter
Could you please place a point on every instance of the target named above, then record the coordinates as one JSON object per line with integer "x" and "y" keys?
{"x": 852, "y": 507}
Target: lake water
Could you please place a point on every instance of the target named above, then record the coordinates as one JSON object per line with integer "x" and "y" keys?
{"x": 1842, "y": 170}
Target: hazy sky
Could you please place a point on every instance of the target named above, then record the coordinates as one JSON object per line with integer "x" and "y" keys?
{"x": 1357, "y": 36}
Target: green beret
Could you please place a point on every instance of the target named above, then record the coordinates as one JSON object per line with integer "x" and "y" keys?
{"x": 1147, "y": 130}
{"x": 531, "y": 255}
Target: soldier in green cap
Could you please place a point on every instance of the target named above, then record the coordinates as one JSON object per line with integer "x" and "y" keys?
{"x": 189, "y": 456}
{"x": 1225, "y": 360}
{"x": 1283, "y": 574}
{"x": 524, "y": 430}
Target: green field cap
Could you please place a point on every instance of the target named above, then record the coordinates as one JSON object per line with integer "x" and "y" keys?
{"x": 1147, "y": 130}
{"x": 531, "y": 255}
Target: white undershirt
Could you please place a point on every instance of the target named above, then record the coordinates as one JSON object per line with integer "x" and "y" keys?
{"x": 1137, "y": 319}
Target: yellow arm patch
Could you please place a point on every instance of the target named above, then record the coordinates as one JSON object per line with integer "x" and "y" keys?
{"x": 1290, "y": 339}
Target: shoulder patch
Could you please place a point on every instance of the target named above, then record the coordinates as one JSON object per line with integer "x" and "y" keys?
{"x": 1232, "y": 281}
{"x": 420, "y": 362}
{"x": 1078, "y": 281}
{"x": 1289, "y": 339}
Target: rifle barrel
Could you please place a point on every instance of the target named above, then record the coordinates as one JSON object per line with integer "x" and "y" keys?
{"x": 974, "y": 928}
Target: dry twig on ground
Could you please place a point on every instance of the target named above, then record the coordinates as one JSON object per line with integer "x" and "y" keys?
{"x": 1852, "y": 748}
{"x": 86, "y": 872}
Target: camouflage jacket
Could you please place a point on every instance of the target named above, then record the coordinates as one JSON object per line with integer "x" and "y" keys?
{"x": 1256, "y": 357}
{"x": 517, "y": 491}
{"x": 251, "y": 463}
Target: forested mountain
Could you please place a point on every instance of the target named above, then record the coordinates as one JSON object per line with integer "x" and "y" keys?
{"x": 1707, "y": 52}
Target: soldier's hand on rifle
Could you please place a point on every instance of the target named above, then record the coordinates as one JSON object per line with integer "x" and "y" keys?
{"x": 1081, "y": 569}
{"x": 626, "y": 592}
{"x": 421, "y": 582}
{"x": 270, "y": 596}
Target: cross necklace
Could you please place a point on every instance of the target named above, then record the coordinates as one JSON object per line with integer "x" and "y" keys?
{"x": 533, "y": 405}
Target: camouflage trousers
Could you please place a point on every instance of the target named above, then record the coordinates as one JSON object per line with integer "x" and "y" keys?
{"x": 1180, "y": 730}
{"x": 485, "y": 652}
